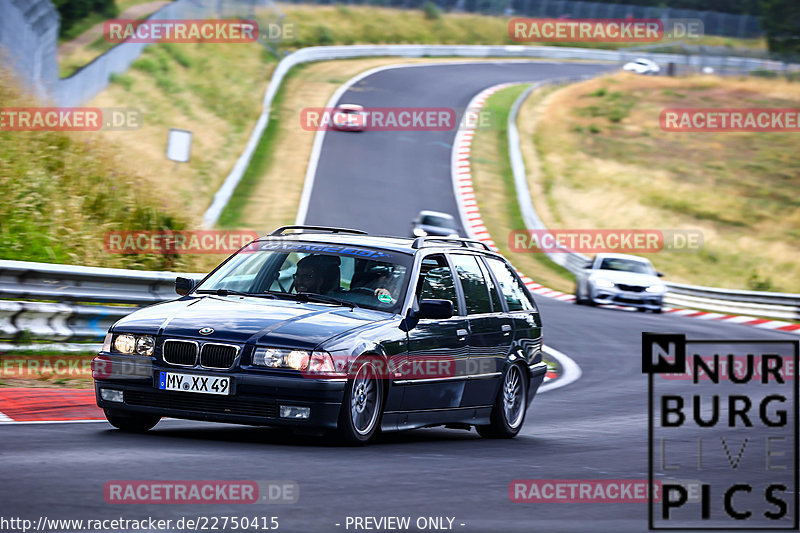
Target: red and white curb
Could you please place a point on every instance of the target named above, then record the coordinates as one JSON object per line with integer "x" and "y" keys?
{"x": 461, "y": 173}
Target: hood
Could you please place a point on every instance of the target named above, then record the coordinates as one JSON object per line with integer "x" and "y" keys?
{"x": 628, "y": 278}
{"x": 241, "y": 319}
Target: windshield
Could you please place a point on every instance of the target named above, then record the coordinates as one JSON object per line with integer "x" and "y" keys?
{"x": 626, "y": 265}
{"x": 438, "y": 221}
{"x": 374, "y": 279}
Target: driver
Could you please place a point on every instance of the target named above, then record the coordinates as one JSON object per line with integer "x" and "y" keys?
{"x": 318, "y": 274}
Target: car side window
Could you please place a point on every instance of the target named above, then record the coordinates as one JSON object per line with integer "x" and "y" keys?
{"x": 436, "y": 281}
{"x": 476, "y": 292}
{"x": 512, "y": 290}
{"x": 494, "y": 291}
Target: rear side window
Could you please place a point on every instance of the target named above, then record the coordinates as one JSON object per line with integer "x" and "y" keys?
{"x": 476, "y": 293}
{"x": 436, "y": 281}
{"x": 512, "y": 290}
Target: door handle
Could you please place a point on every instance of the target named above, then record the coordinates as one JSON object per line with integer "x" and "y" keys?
{"x": 505, "y": 327}
{"x": 461, "y": 332}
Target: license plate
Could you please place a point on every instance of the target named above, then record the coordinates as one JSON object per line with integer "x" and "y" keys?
{"x": 194, "y": 383}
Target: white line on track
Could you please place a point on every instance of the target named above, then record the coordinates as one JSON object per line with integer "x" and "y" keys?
{"x": 570, "y": 371}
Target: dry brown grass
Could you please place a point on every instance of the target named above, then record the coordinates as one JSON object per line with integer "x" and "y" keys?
{"x": 739, "y": 189}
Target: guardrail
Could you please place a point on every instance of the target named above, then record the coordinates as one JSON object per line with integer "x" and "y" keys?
{"x": 324, "y": 53}
{"x": 72, "y": 300}
{"x": 767, "y": 304}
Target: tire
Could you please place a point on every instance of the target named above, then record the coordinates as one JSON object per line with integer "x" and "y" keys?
{"x": 657, "y": 311}
{"x": 507, "y": 417}
{"x": 578, "y": 299}
{"x": 131, "y": 422}
{"x": 641, "y": 309}
{"x": 362, "y": 405}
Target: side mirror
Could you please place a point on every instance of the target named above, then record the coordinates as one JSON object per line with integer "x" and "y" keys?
{"x": 660, "y": 274}
{"x": 435, "y": 309}
{"x": 184, "y": 286}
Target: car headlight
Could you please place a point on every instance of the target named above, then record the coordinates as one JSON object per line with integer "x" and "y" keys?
{"x": 278, "y": 358}
{"x": 656, "y": 288}
{"x": 145, "y": 345}
{"x": 604, "y": 283}
{"x": 419, "y": 232}
{"x": 134, "y": 344}
{"x": 107, "y": 343}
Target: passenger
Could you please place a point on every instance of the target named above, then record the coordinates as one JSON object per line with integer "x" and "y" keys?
{"x": 318, "y": 274}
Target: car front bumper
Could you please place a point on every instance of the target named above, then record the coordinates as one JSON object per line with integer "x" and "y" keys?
{"x": 617, "y": 296}
{"x": 255, "y": 397}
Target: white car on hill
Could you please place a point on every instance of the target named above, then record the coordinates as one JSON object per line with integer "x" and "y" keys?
{"x": 642, "y": 66}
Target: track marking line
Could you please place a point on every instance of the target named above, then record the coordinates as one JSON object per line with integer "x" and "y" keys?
{"x": 570, "y": 371}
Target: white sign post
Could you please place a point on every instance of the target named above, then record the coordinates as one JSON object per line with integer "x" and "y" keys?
{"x": 179, "y": 145}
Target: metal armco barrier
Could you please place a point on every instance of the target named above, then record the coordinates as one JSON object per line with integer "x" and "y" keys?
{"x": 71, "y": 299}
{"x": 68, "y": 313}
{"x": 767, "y": 304}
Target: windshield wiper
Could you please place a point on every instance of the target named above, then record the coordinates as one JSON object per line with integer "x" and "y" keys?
{"x": 312, "y": 296}
{"x": 226, "y": 292}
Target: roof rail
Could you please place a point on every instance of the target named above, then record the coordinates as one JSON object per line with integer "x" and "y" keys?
{"x": 282, "y": 230}
{"x": 419, "y": 242}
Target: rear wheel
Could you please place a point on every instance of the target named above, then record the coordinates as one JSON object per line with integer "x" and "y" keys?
{"x": 360, "y": 416}
{"x": 131, "y": 422}
{"x": 509, "y": 408}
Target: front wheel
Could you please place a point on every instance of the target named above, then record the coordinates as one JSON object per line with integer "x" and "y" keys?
{"x": 578, "y": 299}
{"x": 509, "y": 408}
{"x": 131, "y": 422}
{"x": 361, "y": 406}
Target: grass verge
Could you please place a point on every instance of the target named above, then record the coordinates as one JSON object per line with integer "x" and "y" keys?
{"x": 62, "y": 191}
{"x": 604, "y": 162}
